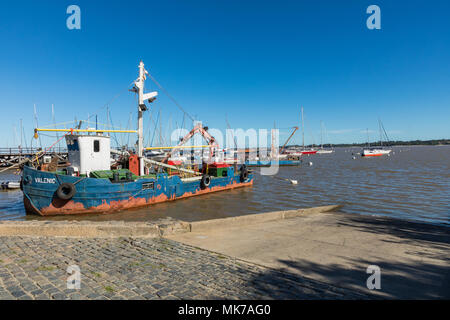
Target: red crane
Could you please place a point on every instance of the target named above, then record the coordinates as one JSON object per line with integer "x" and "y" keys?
{"x": 204, "y": 132}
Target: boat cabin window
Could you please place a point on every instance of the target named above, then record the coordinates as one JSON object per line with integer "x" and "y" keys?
{"x": 96, "y": 145}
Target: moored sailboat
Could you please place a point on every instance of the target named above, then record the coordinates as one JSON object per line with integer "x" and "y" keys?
{"x": 376, "y": 151}
{"x": 322, "y": 150}
{"x": 310, "y": 150}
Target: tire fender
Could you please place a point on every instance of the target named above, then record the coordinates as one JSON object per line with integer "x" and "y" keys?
{"x": 205, "y": 182}
{"x": 66, "y": 191}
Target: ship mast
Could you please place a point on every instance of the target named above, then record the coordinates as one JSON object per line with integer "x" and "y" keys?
{"x": 150, "y": 97}
{"x": 141, "y": 104}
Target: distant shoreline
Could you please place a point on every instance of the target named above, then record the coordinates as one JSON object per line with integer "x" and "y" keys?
{"x": 437, "y": 142}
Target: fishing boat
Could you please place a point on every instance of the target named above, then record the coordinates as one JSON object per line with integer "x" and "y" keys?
{"x": 274, "y": 159}
{"x": 379, "y": 150}
{"x": 264, "y": 157}
{"x": 89, "y": 184}
{"x": 270, "y": 163}
{"x": 281, "y": 158}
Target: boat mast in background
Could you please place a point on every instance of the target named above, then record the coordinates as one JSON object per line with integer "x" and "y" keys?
{"x": 381, "y": 135}
{"x": 310, "y": 150}
{"x": 321, "y": 134}
{"x": 368, "y": 143}
{"x": 303, "y": 131}
{"x": 322, "y": 150}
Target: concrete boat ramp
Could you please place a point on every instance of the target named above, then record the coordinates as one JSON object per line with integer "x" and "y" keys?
{"x": 337, "y": 248}
{"x": 316, "y": 253}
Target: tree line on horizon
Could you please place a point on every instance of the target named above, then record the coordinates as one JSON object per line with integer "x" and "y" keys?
{"x": 434, "y": 142}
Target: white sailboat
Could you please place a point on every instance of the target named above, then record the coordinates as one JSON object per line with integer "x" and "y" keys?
{"x": 322, "y": 150}
{"x": 310, "y": 150}
{"x": 377, "y": 150}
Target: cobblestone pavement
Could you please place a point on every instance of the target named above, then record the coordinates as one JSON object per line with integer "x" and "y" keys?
{"x": 126, "y": 268}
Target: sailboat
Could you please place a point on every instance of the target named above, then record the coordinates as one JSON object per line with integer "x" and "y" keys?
{"x": 88, "y": 184}
{"x": 310, "y": 150}
{"x": 322, "y": 150}
{"x": 376, "y": 151}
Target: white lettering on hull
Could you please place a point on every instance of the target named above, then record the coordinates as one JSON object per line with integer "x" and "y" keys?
{"x": 45, "y": 180}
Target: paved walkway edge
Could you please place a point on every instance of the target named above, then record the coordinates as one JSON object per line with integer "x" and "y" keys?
{"x": 256, "y": 218}
{"x": 115, "y": 229}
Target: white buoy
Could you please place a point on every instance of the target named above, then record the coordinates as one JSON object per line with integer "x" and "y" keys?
{"x": 294, "y": 181}
{"x": 310, "y": 163}
{"x": 353, "y": 158}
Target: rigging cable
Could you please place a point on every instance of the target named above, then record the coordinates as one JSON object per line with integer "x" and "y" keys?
{"x": 170, "y": 97}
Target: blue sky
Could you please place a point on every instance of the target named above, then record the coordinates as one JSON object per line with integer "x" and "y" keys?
{"x": 254, "y": 62}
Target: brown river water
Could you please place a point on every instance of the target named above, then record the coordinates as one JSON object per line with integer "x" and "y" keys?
{"x": 412, "y": 183}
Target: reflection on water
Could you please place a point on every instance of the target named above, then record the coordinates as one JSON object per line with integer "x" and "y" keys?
{"x": 413, "y": 183}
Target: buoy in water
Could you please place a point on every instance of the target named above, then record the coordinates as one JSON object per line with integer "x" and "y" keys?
{"x": 294, "y": 181}
{"x": 310, "y": 163}
{"x": 353, "y": 157}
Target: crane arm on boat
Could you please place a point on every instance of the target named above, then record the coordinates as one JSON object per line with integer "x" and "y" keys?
{"x": 212, "y": 144}
{"x": 284, "y": 145}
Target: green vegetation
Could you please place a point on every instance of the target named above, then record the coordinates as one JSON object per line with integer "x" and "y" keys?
{"x": 109, "y": 289}
{"x": 154, "y": 266}
{"x": 144, "y": 263}
{"x": 45, "y": 268}
{"x": 134, "y": 264}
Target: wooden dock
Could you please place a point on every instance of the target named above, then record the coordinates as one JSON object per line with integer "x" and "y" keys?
{"x": 12, "y": 156}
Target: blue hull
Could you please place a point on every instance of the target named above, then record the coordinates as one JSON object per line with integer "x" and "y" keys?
{"x": 101, "y": 195}
{"x": 272, "y": 163}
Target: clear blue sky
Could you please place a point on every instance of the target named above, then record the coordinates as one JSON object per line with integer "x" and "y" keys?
{"x": 254, "y": 61}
